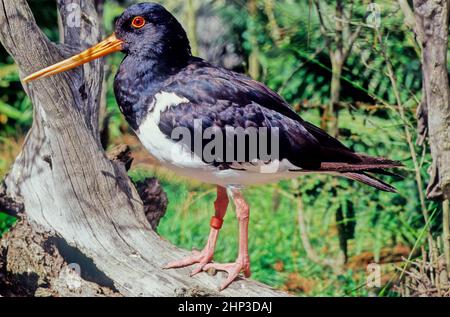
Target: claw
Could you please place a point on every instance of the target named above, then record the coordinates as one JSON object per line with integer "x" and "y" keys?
{"x": 233, "y": 270}
{"x": 187, "y": 261}
{"x": 199, "y": 268}
{"x": 202, "y": 258}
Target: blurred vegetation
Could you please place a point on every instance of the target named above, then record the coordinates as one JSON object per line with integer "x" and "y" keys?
{"x": 281, "y": 44}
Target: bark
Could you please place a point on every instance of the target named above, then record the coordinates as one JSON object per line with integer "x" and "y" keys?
{"x": 337, "y": 62}
{"x": 76, "y": 200}
{"x": 335, "y": 94}
{"x": 430, "y": 22}
{"x": 431, "y": 29}
{"x": 446, "y": 233}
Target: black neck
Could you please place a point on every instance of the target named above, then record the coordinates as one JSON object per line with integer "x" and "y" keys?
{"x": 139, "y": 79}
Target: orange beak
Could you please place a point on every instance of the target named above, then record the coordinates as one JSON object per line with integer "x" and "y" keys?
{"x": 109, "y": 45}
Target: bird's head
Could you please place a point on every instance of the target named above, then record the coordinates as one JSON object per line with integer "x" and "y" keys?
{"x": 144, "y": 31}
{"x": 148, "y": 30}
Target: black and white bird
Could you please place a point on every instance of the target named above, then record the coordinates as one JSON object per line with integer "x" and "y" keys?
{"x": 166, "y": 94}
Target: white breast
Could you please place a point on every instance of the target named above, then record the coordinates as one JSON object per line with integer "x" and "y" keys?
{"x": 160, "y": 145}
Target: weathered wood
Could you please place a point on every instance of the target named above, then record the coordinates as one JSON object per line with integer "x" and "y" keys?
{"x": 71, "y": 191}
{"x": 8, "y": 205}
{"x": 431, "y": 28}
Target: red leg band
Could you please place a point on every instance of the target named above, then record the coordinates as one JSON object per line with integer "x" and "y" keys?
{"x": 216, "y": 223}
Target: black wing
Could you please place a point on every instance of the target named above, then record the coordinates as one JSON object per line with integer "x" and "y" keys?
{"x": 221, "y": 98}
{"x": 294, "y": 142}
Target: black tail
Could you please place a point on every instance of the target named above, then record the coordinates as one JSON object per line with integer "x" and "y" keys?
{"x": 358, "y": 171}
{"x": 370, "y": 180}
{"x": 337, "y": 159}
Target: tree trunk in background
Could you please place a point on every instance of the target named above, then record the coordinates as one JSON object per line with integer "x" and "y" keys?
{"x": 254, "y": 68}
{"x": 192, "y": 25}
{"x": 335, "y": 94}
{"x": 339, "y": 45}
{"x": 337, "y": 63}
{"x": 80, "y": 207}
{"x": 431, "y": 28}
{"x": 432, "y": 31}
{"x": 275, "y": 31}
{"x": 446, "y": 233}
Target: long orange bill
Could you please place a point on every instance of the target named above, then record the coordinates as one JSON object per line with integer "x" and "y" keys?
{"x": 109, "y": 45}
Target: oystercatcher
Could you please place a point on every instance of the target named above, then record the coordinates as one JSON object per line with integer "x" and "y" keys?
{"x": 232, "y": 121}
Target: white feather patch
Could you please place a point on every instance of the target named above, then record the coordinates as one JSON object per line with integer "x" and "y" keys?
{"x": 164, "y": 100}
{"x": 160, "y": 145}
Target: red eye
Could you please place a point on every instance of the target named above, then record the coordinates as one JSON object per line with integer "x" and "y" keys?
{"x": 138, "y": 22}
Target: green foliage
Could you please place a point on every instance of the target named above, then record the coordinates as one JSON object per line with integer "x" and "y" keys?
{"x": 15, "y": 107}
{"x": 6, "y": 222}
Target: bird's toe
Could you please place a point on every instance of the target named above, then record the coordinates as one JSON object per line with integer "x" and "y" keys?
{"x": 199, "y": 268}
{"x": 202, "y": 258}
{"x": 232, "y": 269}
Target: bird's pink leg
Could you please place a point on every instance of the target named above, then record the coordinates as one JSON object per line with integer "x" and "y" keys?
{"x": 242, "y": 263}
{"x": 204, "y": 257}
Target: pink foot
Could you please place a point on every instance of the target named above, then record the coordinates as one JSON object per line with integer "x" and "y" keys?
{"x": 233, "y": 270}
{"x": 202, "y": 258}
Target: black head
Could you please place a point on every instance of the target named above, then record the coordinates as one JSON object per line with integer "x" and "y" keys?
{"x": 148, "y": 30}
